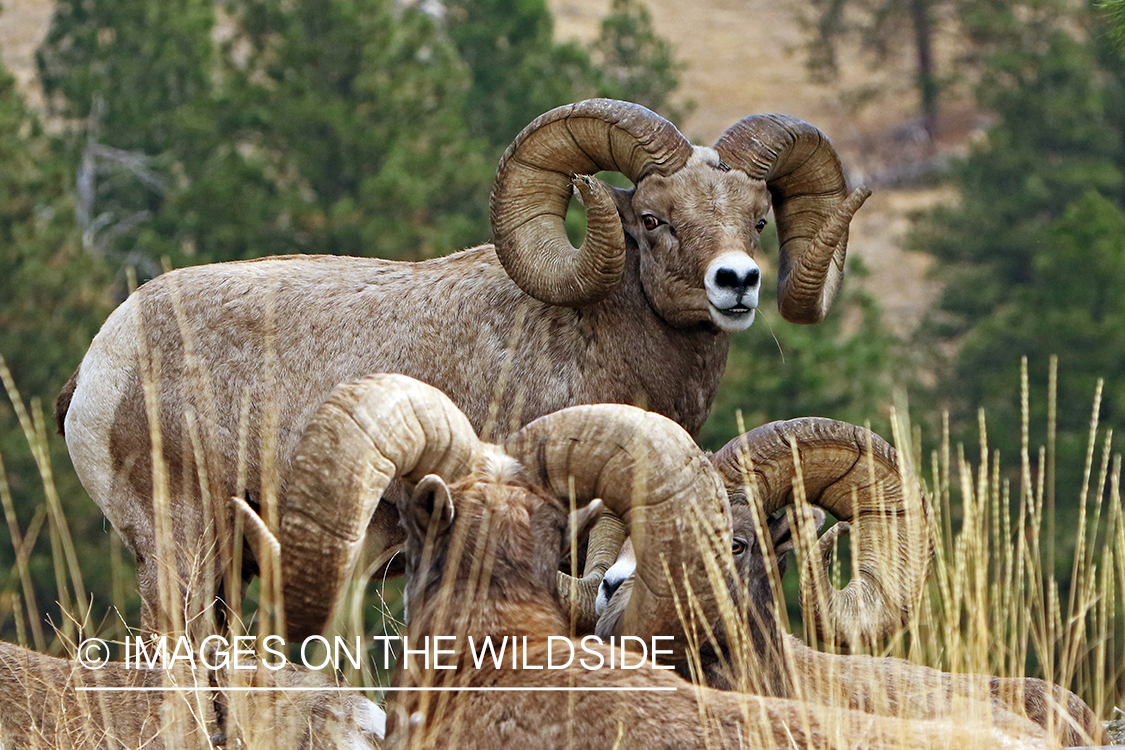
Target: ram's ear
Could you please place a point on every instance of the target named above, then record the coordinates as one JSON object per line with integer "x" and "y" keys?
{"x": 623, "y": 199}
{"x": 578, "y": 525}
{"x": 429, "y": 511}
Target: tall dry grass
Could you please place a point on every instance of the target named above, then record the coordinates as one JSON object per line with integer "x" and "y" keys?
{"x": 181, "y": 702}
{"x": 994, "y": 603}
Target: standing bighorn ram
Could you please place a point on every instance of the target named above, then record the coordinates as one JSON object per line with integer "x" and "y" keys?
{"x": 485, "y": 526}
{"x": 221, "y": 366}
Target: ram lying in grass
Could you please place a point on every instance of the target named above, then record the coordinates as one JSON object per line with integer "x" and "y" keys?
{"x": 855, "y": 475}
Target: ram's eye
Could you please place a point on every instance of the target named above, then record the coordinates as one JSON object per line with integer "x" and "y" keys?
{"x": 738, "y": 546}
{"x": 650, "y": 222}
{"x": 760, "y": 225}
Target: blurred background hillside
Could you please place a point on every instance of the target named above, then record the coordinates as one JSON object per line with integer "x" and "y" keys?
{"x": 142, "y": 134}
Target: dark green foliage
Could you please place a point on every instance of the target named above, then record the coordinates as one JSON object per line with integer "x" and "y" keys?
{"x": 1032, "y": 256}
{"x": 314, "y": 127}
{"x": 53, "y": 297}
{"x": 358, "y": 109}
{"x": 1055, "y": 140}
{"x": 637, "y": 65}
{"x": 1115, "y": 14}
{"x": 517, "y": 70}
{"x": 138, "y": 75}
{"x": 147, "y": 63}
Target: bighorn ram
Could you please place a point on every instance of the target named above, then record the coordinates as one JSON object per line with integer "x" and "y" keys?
{"x": 756, "y": 655}
{"x": 227, "y": 362}
{"x": 484, "y": 529}
{"x": 47, "y": 702}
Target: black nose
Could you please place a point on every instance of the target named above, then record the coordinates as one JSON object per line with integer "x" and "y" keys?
{"x": 729, "y": 278}
{"x": 608, "y": 588}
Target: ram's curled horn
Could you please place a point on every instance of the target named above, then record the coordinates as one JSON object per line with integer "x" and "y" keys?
{"x": 810, "y": 202}
{"x": 647, "y": 470}
{"x": 365, "y": 435}
{"x": 855, "y": 475}
{"x": 579, "y": 595}
{"x": 533, "y": 188}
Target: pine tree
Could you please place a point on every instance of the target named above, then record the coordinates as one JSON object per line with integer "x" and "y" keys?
{"x": 137, "y": 76}
{"x": 1032, "y": 253}
{"x": 516, "y": 68}
{"x": 53, "y": 297}
{"x": 330, "y": 127}
{"x": 359, "y": 107}
{"x": 883, "y": 28}
{"x": 635, "y": 63}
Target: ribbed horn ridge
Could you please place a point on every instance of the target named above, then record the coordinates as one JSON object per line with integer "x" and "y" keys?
{"x": 366, "y": 434}
{"x": 647, "y": 470}
{"x": 561, "y": 149}
{"x": 855, "y": 475}
{"x": 579, "y": 595}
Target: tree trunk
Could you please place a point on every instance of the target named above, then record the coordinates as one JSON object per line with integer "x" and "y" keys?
{"x": 927, "y": 78}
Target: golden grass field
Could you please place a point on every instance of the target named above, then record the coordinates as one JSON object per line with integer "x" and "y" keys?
{"x": 993, "y": 603}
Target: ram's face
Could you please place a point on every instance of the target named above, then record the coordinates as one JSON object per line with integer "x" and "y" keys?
{"x": 750, "y": 558}
{"x": 698, "y": 232}
{"x": 750, "y": 588}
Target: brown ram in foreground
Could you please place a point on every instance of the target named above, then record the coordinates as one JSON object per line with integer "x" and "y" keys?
{"x": 217, "y": 369}
{"x": 758, "y": 656}
{"x": 485, "y": 527}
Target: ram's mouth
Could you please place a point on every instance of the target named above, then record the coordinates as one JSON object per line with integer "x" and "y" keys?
{"x": 736, "y": 318}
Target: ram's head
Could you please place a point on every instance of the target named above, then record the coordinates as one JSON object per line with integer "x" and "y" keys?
{"x": 642, "y": 466}
{"x": 810, "y": 466}
{"x": 695, "y": 213}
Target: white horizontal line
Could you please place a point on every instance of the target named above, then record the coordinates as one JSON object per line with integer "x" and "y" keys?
{"x": 99, "y": 689}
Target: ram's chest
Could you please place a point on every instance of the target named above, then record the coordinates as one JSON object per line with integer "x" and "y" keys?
{"x": 670, "y": 371}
